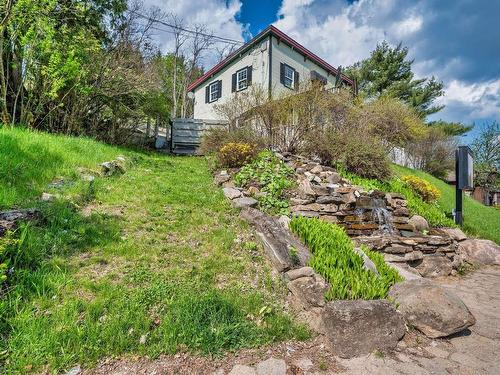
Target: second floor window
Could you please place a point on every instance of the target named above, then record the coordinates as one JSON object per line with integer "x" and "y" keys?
{"x": 289, "y": 80}
{"x": 241, "y": 79}
{"x": 214, "y": 91}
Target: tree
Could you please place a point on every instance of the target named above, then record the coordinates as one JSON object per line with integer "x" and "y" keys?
{"x": 451, "y": 129}
{"x": 486, "y": 149}
{"x": 388, "y": 72}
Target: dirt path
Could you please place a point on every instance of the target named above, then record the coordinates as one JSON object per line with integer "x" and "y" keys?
{"x": 472, "y": 352}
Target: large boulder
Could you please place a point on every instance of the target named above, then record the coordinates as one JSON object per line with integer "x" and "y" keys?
{"x": 244, "y": 202}
{"x": 431, "y": 309}
{"x": 360, "y": 327}
{"x": 283, "y": 249}
{"x": 418, "y": 223}
{"x": 434, "y": 265}
{"x": 454, "y": 233}
{"x": 308, "y": 291}
{"x": 480, "y": 251}
{"x": 231, "y": 193}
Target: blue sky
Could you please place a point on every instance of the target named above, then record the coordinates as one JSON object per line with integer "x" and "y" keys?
{"x": 457, "y": 41}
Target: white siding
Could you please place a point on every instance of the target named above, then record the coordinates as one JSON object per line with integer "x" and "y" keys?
{"x": 282, "y": 53}
{"x": 256, "y": 57}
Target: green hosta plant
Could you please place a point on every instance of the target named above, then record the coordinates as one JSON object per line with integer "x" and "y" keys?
{"x": 334, "y": 258}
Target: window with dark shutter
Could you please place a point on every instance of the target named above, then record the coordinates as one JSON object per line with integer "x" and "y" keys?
{"x": 220, "y": 88}
{"x": 242, "y": 79}
{"x": 207, "y": 94}
{"x": 296, "y": 80}
{"x": 214, "y": 91}
{"x": 288, "y": 76}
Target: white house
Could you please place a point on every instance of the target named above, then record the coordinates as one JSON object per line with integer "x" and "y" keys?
{"x": 271, "y": 59}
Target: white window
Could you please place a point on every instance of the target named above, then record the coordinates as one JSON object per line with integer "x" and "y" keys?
{"x": 241, "y": 79}
{"x": 214, "y": 91}
{"x": 289, "y": 77}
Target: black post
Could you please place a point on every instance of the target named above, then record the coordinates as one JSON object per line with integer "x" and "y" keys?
{"x": 458, "y": 192}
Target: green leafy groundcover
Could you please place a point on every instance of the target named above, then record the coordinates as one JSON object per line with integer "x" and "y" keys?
{"x": 273, "y": 176}
{"x": 334, "y": 259}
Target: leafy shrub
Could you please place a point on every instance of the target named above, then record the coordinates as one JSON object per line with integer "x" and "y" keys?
{"x": 423, "y": 188}
{"x": 215, "y": 139}
{"x": 357, "y": 152}
{"x": 236, "y": 154}
{"x": 334, "y": 259}
{"x": 273, "y": 177}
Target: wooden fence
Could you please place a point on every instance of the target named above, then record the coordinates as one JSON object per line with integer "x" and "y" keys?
{"x": 186, "y": 134}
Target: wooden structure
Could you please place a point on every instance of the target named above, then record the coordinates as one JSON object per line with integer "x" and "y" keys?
{"x": 186, "y": 134}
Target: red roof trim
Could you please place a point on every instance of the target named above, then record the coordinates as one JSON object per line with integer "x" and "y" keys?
{"x": 281, "y": 36}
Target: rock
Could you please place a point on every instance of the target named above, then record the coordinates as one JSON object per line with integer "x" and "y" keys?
{"x": 317, "y": 169}
{"x": 398, "y": 249}
{"x": 418, "y": 223}
{"x": 455, "y": 234}
{"x": 74, "y": 370}
{"x": 401, "y": 211}
{"x": 47, "y": 197}
{"x": 407, "y": 257}
{"x": 334, "y": 178}
{"x": 284, "y": 221}
{"x": 407, "y": 272}
{"x": 297, "y": 201}
{"x": 252, "y": 190}
{"x": 231, "y": 193}
{"x": 87, "y": 177}
{"x": 357, "y": 327}
{"x": 334, "y": 198}
{"x": 349, "y": 198}
{"x": 305, "y": 190}
{"x": 277, "y": 241}
{"x": 480, "y": 251}
{"x": 242, "y": 370}
{"x": 309, "y": 291}
{"x": 271, "y": 366}
{"x": 367, "y": 262}
{"x": 307, "y": 207}
{"x": 320, "y": 189}
{"x": 306, "y": 214}
{"x": 434, "y": 265}
{"x": 365, "y": 201}
{"x": 299, "y": 272}
{"x": 221, "y": 177}
{"x": 305, "y": 364}
{"x": 431, "y": 309}
{"x": 244, "y": 202}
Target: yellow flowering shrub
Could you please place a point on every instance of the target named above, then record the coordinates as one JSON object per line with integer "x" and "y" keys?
{"x": 423, "y": 188}
{"x": 236, "y": 154}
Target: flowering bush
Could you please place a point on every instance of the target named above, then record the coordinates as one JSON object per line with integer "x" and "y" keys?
{"x": 236, "y": 154}
{"x": 423, "y": 188}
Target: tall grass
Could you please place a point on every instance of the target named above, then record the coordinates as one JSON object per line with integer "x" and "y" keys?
{"x": 334, "y": 259}
{"x": 29, "y": 160}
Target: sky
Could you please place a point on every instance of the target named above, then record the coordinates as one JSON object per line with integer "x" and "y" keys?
{"x": 457, "y": 41}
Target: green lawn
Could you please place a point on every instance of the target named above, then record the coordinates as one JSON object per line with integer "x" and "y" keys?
{"x": 479, "y": 220}
{"x": 153, "y": 261}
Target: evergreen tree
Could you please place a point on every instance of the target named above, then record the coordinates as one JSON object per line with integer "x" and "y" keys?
{"x": 388, "y": 72}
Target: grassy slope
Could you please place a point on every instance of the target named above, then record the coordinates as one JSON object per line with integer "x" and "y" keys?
{"x": 30, "y": 160}
{"x": 161, "y": 257}
{"x": 479, "y": 220}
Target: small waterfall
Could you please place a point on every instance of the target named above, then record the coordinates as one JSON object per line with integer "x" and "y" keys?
{"x": 382, "y": 216}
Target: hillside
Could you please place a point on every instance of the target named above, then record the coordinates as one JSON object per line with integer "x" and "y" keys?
{"x": 479, "y": 220}
{"x": 148, "y": 262}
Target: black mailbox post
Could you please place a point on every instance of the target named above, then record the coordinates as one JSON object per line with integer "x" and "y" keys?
{"x": 464, "y": 176}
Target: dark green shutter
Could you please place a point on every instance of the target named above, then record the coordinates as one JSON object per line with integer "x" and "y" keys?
{"x": 207, "y": 94}
{"x": 296, "y": 79}
{"x": 249, "y": 75}
{"x": 220, "y": 88}
{"x": 282, "y": 73}
{"x": 233, "y": 85}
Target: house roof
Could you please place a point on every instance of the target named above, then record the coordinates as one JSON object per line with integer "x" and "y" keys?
{"x": 282, "y": 37}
